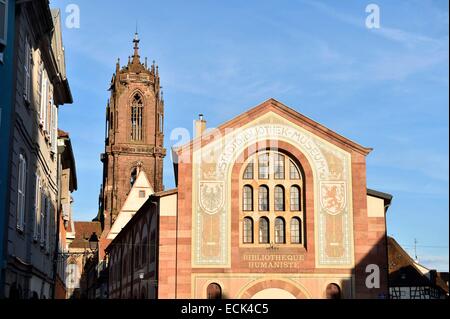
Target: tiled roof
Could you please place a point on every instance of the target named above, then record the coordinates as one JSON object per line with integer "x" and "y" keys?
{"x": 403, "y": 270}
{"x": 83, "y": 231}
{"x": 63, "y": 134}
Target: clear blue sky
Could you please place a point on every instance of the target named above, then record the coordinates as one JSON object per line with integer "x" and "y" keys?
{"x": 385, "y": 88}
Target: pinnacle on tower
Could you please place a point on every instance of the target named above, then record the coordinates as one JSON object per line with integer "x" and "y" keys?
{"x": 136, "y": 49}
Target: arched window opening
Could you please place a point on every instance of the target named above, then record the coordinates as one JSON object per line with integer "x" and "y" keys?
{"x": 247, "y": 198}
{"x": 280, "y": 231}
{"x": 133, "y": 176}
{"x": 137, "y": 253}
{"x": 263, "y": 198}
{"x": 279, "y": 198}
{"x": 293, "y": 170}
{"x": 333, "y": 291}
{"x": 295, "y": 231}
{"x": 295, "y": 198}
{"x": 263, "y": 165}
{"x": 144, "y": 254}
{"x": 152, "y": 246}
{"x": 137, "y": 106}
{"x": 248, "y": 230}
{"x": 278, "y": 166}
{"x": 264, "y": 230}
{"x": 248, "y": 173}
{"x": 214, "y": 291}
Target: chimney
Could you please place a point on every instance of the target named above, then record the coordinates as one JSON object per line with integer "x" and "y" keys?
{"x": 200, "y": 126}
{"x": 433, "y": 275}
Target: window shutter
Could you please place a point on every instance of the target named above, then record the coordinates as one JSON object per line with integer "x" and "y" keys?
{"x": 27, "y": 71}
{"x": 54, "y": 128}
{"x": 49, "y": 109}
{"x": 47, "y": 225}
{"x": 46, "y": 104}
{"x": 50, "y": 130}
{"x": 21, "y": 193}
{"x": 36, "y": 207}
{"x": 44, "y": 97}
{"x": 42, "y": 220}
{"x": 39, "y": 85}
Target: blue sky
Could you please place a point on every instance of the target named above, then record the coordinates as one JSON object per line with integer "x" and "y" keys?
{"x": 385, "y": 88}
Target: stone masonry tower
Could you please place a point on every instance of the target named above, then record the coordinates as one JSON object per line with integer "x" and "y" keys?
{"x": 134, "y": 134}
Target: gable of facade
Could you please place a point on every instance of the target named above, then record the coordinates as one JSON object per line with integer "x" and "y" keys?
{"x": 139, "y": 193}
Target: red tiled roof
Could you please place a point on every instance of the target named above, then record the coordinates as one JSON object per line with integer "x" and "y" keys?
{"x": 83, "y": 231}
{"x": 62, "y": 133}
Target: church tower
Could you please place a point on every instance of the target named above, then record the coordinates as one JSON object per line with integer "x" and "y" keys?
{"x": 134, "y": 134}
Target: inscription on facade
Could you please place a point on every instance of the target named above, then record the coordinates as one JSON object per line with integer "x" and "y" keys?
{"x": 273, "y": 261}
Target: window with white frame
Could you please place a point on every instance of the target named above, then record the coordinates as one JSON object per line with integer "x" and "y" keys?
{"x": 21, "y": 192}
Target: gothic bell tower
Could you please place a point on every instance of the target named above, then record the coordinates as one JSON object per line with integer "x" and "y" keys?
{"x": 134, "y": 134}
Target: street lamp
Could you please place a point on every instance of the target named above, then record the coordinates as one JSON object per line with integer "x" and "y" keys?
{"x": 93, "y": 242}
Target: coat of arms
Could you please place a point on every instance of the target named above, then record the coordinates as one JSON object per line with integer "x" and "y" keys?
{"x": 333, "y": 197}
{"x": 211, "y": 196}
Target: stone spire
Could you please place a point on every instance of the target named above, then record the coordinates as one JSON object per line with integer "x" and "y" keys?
{"x": 136, "y": 57}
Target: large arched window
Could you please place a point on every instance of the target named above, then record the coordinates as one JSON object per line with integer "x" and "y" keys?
{"x": 295, "y": 198}
{"x": 137, "y": 121}
{"x": 264, "y": 230}
{"x": 295, "y": 231}
{"x": 248, "y": 230}
{"x": 263, "y": 198}
{"x": 273, "y": 196}
{"x": 214, "y": 291}
{"x": 280, "y": 237}
{"x": 248, "y": 198}
{"x": 279, "y": 198}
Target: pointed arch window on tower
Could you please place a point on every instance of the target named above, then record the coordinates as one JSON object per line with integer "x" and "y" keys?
{"x": 137, "y": 106}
